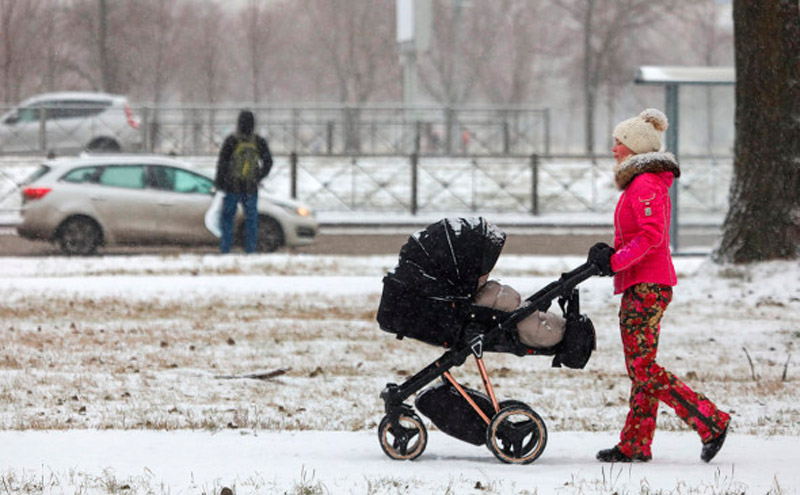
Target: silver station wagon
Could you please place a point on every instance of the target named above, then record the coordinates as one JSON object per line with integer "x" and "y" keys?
{"x": 90, "y": 201}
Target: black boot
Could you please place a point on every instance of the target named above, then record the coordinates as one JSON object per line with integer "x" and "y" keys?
{"x": 616, "y": 455}
{"x": 711, "y": 448}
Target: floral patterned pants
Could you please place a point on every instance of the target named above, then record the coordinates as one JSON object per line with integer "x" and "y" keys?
{"x": 640, "y": 315}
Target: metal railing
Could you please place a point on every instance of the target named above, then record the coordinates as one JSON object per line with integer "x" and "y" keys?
{"x": 533, "y": 184}
{"x": 529, "y": 185}
{"x": 334, "y": 130}
{"x": 317, "y": 129}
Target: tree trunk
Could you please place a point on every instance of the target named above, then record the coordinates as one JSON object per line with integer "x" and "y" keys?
{"x": 102, "y": 40}
{"x": 589, "y": 86}
{"x": 764, "y": 213}
{"x": 253, "y": 42}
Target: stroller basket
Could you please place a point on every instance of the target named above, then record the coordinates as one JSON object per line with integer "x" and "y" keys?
{"x": 428, "y": 298}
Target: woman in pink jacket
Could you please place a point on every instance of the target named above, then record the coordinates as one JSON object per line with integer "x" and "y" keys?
{"x": 641, "y": 264}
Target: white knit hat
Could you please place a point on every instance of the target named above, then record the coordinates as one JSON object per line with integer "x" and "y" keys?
{"x": 642, "y": 134}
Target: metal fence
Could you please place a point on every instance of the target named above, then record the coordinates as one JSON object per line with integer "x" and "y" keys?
{"x": 531, "y": 185}
{"x": 331, "y": 130}
{"x": 419, "y": 184}
{"x": 356, "y": 130}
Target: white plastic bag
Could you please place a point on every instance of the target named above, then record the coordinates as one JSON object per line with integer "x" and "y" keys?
{"x": 213, "y": 217}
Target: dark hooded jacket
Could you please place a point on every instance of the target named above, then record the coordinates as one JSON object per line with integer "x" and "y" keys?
{"x": 245, "y": 128}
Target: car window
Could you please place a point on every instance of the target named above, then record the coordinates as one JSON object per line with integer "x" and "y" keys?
{"x": 80, "y": 175}
{"x": 189, "y": 182}
{"x": 178, "y": 180}
{"x": 73, "y": 109}
{"x": 162, "y": 178}
{"x": 128, "y": 176}
{"x": 39, "y": 172}
{"x": 28, "y": 114}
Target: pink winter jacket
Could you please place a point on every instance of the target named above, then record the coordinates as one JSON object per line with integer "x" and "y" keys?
{"x": 641, "y": 221}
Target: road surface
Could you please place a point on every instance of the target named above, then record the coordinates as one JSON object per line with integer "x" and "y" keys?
{"x": 363, "y": 241}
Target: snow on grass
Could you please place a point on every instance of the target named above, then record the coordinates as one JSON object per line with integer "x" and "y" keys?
{"x": 152, "y": 343}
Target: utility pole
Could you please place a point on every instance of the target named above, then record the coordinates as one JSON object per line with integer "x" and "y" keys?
{"x": 413, "y": 38}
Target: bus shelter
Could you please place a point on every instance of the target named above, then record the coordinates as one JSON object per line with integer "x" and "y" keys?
{"x": 672, "y": 78}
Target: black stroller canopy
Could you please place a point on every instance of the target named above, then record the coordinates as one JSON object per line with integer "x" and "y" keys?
{"x": 445, "y": 260}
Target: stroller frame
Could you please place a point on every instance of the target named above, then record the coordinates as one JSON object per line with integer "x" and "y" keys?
{"x": 403, "y": 435}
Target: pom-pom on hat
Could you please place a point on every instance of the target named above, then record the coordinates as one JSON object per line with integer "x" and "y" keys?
{"x": 642, "y": 134}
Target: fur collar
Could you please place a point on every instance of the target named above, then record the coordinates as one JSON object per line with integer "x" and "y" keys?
{"x": 634, "y": 165}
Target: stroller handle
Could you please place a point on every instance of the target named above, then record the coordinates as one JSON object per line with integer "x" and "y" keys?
{"x": 578, "y": 275}
{"x": 568, "y": 281}
{"x": 562, "y": 287}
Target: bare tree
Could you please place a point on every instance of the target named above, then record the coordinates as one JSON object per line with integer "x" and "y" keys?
{"x": 355, "y": 38}
{"x": 50, "y": 17}
{"x": 462, "y": 42}
{"x": 707, "y": 39}
{"x": 204, "y": 57}
{"x": 19, "y": 33}
{"x": 763, "y": 220}
{"x": 159, "y": 31}
{"x": 98, "y": 44}
{"x": 108, "y": 67}
{"x": 523, "y": 39}
{"x": 503, "y": 51}
{"x": 205, "y": 67}
{"x": 78, "y": 65}
{"x": 604, "y": 25}
{"x": 258, "y": 33}
{"x": 298, "y": 69}
{"x": 704, "y": 38}
{"x": 461, "y": 45}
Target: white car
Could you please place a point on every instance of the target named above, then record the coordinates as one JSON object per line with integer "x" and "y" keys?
{"x": 64, "y": 123}
{"x": 116, "y": 199}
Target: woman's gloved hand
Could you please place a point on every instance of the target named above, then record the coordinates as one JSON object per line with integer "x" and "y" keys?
{"x": 600, "y": 255}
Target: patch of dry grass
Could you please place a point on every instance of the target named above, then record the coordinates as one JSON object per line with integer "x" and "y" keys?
{"x": 109, "y": 362}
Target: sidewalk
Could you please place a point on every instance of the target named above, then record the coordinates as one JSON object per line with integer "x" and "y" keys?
{"x": 264, "y": 462}
{"x": 359, "y": 223}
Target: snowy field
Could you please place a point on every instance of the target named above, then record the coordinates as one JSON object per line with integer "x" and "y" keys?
{"x": 126, "y": 375}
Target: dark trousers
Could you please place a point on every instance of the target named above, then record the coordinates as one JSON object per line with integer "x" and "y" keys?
{"x": 250, "y": 206}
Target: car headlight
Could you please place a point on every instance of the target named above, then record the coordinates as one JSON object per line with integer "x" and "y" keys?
{"x": 298, "y": 210}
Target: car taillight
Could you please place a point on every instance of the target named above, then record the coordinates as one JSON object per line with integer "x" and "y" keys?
{"x": 32, "y": 193}
{"x": 131, "y": 120}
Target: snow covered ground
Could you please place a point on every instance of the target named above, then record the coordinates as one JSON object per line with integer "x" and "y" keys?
{"x": 311, "y": 462}
{"x": 122, "y": 375}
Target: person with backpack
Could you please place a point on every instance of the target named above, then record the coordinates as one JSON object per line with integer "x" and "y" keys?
{"x": 641, "y": 264}
{"x": 244, "y": 160}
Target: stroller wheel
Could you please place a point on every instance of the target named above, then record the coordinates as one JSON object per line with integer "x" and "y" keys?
{"x": 511, "y": 403}
{"x": 404, "y": 439}
{"x": 516, "y": 435}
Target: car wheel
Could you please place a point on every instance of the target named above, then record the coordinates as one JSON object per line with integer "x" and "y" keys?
{"x": 104, "y": 145}
{"x": 270, "y": 235}
{"x": 79, "y": 236}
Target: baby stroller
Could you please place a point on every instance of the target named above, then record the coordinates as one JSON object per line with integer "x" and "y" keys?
{"x": 429, "y": 297}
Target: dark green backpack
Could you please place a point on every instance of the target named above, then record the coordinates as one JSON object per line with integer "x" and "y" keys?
{"x": 244, "y": 160}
